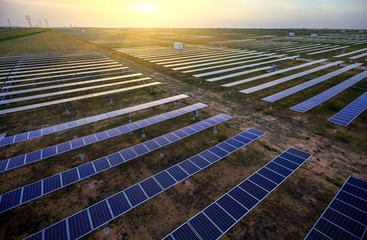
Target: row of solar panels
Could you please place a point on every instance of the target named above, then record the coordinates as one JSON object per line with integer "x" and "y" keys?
{"x": 97, "y": 215}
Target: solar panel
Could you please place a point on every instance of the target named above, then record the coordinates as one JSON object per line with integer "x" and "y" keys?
{"x": 327, "y": 50}
{"x": 40, "y": 132}
{"x": 280, "y": 95}
{"x": 50, "y": 103}
{"x": 346, "y": 216}
{"x": 345, "y": 116}
{"x": 326, "y": 95}
{"x": 288, "y": 78}
{"x": 237, "y": 74}
{"x": 215, "y": 220}
{"x": 12, "y": 199}
{"x": 123, "y": 201}
{"x": 358, "y": 56}
{"x": 350, "y": 53}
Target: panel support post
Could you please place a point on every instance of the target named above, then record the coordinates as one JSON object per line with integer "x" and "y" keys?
{"x": 129, "y": 117}
{"x": 162, "y": 153}
{"x": 187, "y": 181}
{"x": 248, "y": 96}
{"x": 336, "y": 128}
{"x": 271, "y": 105}
{"x": 91, "y": 185}
{"x": 176, "y": 102}
{"x": 196, "y": 113}
{"x": 245, "y": 148}
{"x": 106, "y": 230}
{"x": 230, "y": 90}
{"x": 299, "y": 116}
{"x": 151, "y": 89}
{"x": 213, "y": 84}
{"x": 201, "y": 80}
{"x": 216, "y": 129}
{"x": 143, "y": 134}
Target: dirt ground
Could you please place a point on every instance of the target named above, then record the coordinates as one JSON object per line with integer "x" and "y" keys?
{"x": 287, "y": 213}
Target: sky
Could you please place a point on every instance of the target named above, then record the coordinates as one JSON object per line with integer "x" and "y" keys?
{"x": 340, "y": 14}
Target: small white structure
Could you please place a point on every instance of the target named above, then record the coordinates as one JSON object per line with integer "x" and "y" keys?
{"x": 291, "y": 34}
{"x": 177, "y": 45}
{"x": 314, "y": 35}
{"x": 343, "y": 31}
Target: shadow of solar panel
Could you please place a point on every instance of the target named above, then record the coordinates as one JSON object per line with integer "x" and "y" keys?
{"x": 151, "y": 187}
{"x": 135, "y": 195}
{"x": 279, "y": 169}
{"x": 32, "y": 191}
{"x": 151, "y": 145}
{"x": 189, "y": 167}
{"x": 244, "y": 198}
{"x": 101, "y": 164}
{"x": 262, "y": 182}
{"x": 100, "y": 214}
{"x": 115, "y": 159}
{"x": 128, "y": 154}
{"x": 184, "y": 232}
{"x": 286, "y": 163}
{"x": 271, "y": 175}
{"x": 51, "y": 183}
{"x": 232, "y": 207}
{"x": 69, "y": 176}
{"x": 219, "y": 217}
{"x": 56, "y": 232}
{"x": 209, "y": 156}
{"x": 33, "y": 156}
{"x": 199, "y": 161}
{"x": 253, "y": 189}
{"x": 86, "y": 170}
{"x": 10, "y": 199}
{"x": 204, "y": 227}
{"x": 118, "y": 204}
{"x": 79, "y": 224}
{"x": 140, "y": 149}
{"x": 165, "y": 179}
{"x": 177, "y": 173}
{"x": 292, "y": 158}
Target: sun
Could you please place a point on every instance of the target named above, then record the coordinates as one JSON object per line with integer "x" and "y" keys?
{"x": 146, "y": 7}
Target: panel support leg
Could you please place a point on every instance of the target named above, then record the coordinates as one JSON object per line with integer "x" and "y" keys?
{"x": 248, "y": 96}
{"x": 106, "y": 230}
{"x": 299, "y": 116}
{"x": 129, "y": 117}
{"x": 176, "y": 103}
{"x": 245, "y": 148}
{"x": 91, "y": 184}
{"x": 271, "y": 105}
{"x": 230, "y": 90}
{"x": 143, "y": 134}
{"x": 196, "y": 113}
{"x": 336, "y": 128}
{"x": 216, "y": 129}
{"x": 201, "y": 80}
{"x": 151, "y": 89}
{"x": 162, "y": 153}
{"x": 187, "y": 181}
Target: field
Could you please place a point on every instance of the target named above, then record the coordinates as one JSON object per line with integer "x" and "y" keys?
{"x": 287, "y": 213}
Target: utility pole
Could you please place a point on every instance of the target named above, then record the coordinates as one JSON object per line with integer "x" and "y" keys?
{"x": 9, "y": 22}
{"x": 29, "y": 20}
{"x": 46, "y": 22}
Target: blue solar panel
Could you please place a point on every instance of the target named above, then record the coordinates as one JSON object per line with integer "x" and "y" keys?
{"x": 113, "y": 132}
{"x": 185, "y": 233}
{"x": 20, "y": 137}
{"x": 262, "y": 182}
{"x": 346, "y": 216}
{"x": 299, "y": 153}
{"x": 234, "y": 143}
{"x": 199, "y": 161}
{"x": 271, "y": 175}
{"x": 51, "y": 183}
{"x": 33, "y": 156}
{"x": 86, "y": 170}
{"x": 209, "y": 156}
{"x": 218, "y": 151}
{"x": 10, "y": 199}
{"x": 101, "y": 164}
{"x": 60, "y": 127}
{"x": 242, "y": 140}
{"x": 119, "y": 204}
{"x": 69, "y": 176}
{"x": 3, "y": 165}
{"x": 249, "y": 135}
{"x": 151, "y": 187}
{"x": 7, "y": 140}
{"x": 140, "y": 149}
{"x": 279, "y": 169}
{"x": 50, "y": 151}
{"x": 124, "y": 129}
{"x": 189, "y": 167}
{"x": 128, "y": 154}
{"x": 219, "y": 217}
{"x": 77, "y": 143}
{"x": 37, "y": 236}
{"x": 244, "y": 198}
{"x": 79, "y": 224}
{"x": 152, "y": 120}
{"x": 35, "y": 133}
{"x": 100, "y": 214}
{"x": 57, "y": 231}
{"x": 232, "y": 207}
{"x": 227, "y": 147}
{"x": 188, "y": 130}
{"x": 255, "y": 132}
{"x": 253, "y": 189}
{"x": 286, "y": 163}
{"x": 48, "y": 130}
{"x": 162, "y": 141}
{"x": 63, "y": 147}
{"x": 204, "y": 124}
{"x": 177, "y": 173}
{"x": 292, "y": 158}
{"x": 180, "y": 133}
{"x": 171, "y": 137}
{"x": 102, "y": 135}
{"x": 115, "y": 159}
{"x": 135, "y": 195}
{"x": 204, "y": 227}
{"x": 32, "y": 191}
{"x": 151, "y": 145}
{"x": 16, "y": 161}
{"x": 165, "y": 179}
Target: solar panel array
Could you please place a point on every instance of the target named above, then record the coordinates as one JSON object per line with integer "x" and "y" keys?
{"x": 346, "y": 216}
{"x": 97, "y": 215}
{"x": 351, "y": 53}
{"x": 77, "y": 143}
{"x": 215, "y": 220}
{"x": 345, "y": 116}
{"x": 288, "y": 78}
{"x": 83, "y": 121}
{"x": 40, "y": 188}
{"x": 324, "y": 96}
{"x": 280, "y": 95}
